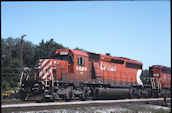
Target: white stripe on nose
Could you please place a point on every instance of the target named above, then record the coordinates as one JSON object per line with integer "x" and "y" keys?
{"x": 44, "y": 69}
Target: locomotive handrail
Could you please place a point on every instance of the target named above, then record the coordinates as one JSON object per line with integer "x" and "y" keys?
{"x": 152, "y": 83}
{"x": 159, "y": 83}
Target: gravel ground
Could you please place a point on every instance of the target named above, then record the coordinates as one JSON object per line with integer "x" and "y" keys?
{"x": 120, "y": 108}
{"x": 127, "y": 107}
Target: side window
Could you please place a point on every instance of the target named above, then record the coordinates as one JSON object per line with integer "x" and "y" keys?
{"x": 132, "y": 65}
{"x": 81, "y": 61}
{"x": 166, "y": 70}
{"x": 71, "y": 59}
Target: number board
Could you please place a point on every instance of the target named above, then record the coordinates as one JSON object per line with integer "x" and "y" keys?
{"x": 64, "y": 53}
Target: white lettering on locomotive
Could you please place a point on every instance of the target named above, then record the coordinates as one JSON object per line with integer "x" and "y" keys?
{"x": 80, "y": 68}
{"x": 155, "y": 74}
{"x": 102, "y": 67}
{"x": 112, "y": 68}
{"x": 109, "y": 68}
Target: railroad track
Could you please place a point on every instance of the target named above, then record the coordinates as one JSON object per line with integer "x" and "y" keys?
{"x": 80, "y": 102}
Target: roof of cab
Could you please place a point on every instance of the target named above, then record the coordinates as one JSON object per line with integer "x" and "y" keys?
{"x": 77, "y": 52}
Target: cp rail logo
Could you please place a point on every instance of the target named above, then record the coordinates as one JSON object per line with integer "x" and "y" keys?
{"x": 108, "y": 67}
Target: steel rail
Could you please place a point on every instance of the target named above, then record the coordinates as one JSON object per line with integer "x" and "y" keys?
{"x": 79, "y": 102}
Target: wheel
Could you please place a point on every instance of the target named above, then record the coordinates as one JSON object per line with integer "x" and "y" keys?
{"x": 39, "y": 98}
{"x": 138, "y": 94}
{"x": 38, "y": 101}
{"x": 66, "y": 98}
{"x": 82, "y": 98}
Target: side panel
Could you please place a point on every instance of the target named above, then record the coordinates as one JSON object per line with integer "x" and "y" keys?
{"x": 132, "y": 75}
{"x": 165, "y": 80}
{"x": 109, "y": 72}
{"x": 61, "y": 68}
{"x": 161, "y": 78}
{"x": 80, "y": 72}
{"x": 119, "y": 73}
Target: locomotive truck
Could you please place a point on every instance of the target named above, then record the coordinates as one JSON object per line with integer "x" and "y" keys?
{"x": 72, "y": 74}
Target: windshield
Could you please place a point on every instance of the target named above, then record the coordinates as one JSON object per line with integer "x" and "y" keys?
{"x": 60, "y": 57}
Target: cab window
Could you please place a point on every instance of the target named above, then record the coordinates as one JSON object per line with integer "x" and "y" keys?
{"x": 70, "y": 59}
{"x": 60, "y": 57}
{"x": 81, "y": 61}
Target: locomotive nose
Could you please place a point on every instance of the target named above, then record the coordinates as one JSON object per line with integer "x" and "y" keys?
{"x": 45, "y": 69}
{"x": 51, "y": 69}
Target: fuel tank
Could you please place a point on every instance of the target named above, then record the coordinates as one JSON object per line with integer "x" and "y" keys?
{"x": 111, "y": 93}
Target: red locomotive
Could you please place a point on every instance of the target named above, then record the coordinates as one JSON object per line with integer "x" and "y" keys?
{"x": 72, "y": 74}
{"x": 160, "y": 77}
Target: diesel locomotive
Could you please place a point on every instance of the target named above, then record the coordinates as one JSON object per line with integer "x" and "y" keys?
{"x": 72, "y": 74}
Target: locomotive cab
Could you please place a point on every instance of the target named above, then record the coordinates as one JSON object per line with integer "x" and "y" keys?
{"x": 64, "y": 65}
{"x": 65, "y": 56}
{"x": 54, "y": 67}
{"x": 77, "y": 65}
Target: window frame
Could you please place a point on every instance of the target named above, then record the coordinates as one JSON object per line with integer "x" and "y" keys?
{"x": 133, "y": 65}
{"x": 93, "y": 56}
{"x": 116, "y": 61}
{"x": 81, "y": 61}
{"x": 166, "y": 70}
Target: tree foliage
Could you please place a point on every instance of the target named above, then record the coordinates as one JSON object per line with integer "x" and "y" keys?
{"x": 80, "y": 49}
{"x": 45, "y": 49}
{"x": 144, "y": 75}
{"x": 10, "y": 61}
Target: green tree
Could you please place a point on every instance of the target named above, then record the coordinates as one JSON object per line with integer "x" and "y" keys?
{"x": 80, "y": 49}
{"x": 45, "y": 49}
{"x": 29, "y": 54}
{"x": 144, "y": 75}
{"x": 10, "y": 61}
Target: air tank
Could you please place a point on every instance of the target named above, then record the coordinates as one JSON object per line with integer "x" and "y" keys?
{"x": 111, "y": 93}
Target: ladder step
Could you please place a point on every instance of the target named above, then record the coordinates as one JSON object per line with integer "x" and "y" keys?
{"x": 48, "y": 95}
{"x": 47, "y": 91}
